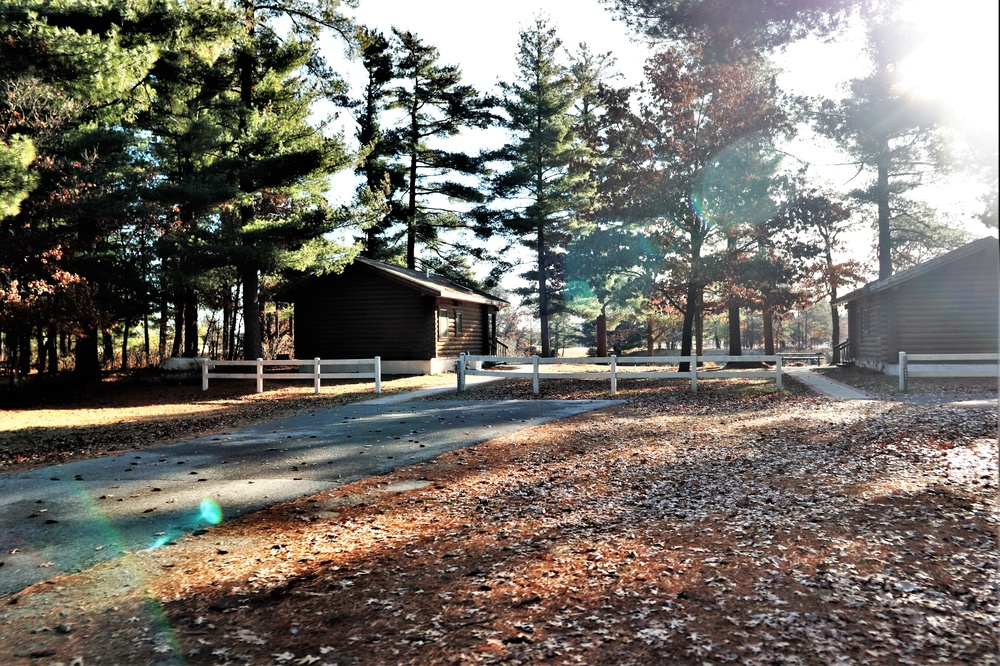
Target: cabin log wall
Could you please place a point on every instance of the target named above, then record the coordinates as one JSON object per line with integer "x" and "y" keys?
{"x": 952, "y": 309}
{"x": 360, "y": 314}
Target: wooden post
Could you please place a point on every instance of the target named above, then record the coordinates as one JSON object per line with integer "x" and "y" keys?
{"x": 903, "y": 372}
{"x": 204, "y": 374}
{"x": 614, "y": 376}
{"x": 461, "y": 371}
{"x": 260, "y": 375}
{"x": 694, "y": 373}
{"x": 317, "y": 370}
{"x": 534, "y": 376}
{"x": 777, "y": 373}
{"x": 378, "y": 374}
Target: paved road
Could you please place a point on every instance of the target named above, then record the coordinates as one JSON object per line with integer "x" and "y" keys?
{"x": 834, "y": 389}
{"x": 66, "y": 517}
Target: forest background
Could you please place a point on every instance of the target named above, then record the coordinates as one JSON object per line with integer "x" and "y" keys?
{"x": 167, "y": 169}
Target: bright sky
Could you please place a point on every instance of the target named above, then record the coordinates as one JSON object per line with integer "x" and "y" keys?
{"x": 957, "y": 63}
{"x": 482, "y": 37}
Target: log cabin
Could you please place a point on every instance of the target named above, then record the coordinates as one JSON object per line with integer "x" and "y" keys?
{"x": 948, "y": 305}
{"x": 416, "y": 322}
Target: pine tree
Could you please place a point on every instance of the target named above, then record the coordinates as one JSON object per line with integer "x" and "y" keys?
{"x": 435, "y": 105}
{"x": 380, "y": 177}
{"x": 540, "y": 158}
{"x": 891, "y": 136}
{"x": 188, "y": 141}
{"x": 279, "y": 158}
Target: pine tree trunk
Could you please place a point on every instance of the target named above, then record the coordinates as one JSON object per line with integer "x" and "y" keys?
{"x": 602, "y": 334}
{"x": 162, "y": 343}
{"x": 699, "y": 327}
{"x": 227, "y": 313}
{"x": 24, "y": 353}
{"x": 768, "y": 326}
{"x": 650, "y": 335}
{"x": 88, "y": 367}
{"x": 145, "y": 339}
{"x": 884, "y": 236}
{"x": 178, "y": 325}
{"x": 735, "y": 333}
{"x": 40, "y": 345}
{"x": 543, "y": 295}
{"x": 107, "y": 350}
{"x": 53, "y": 349}
{"x": 234, "y": 347}
{"x": 190, "y": 322}
{"x": 687, "y": 329}
{"x": 411, "y": 216}
{"x": 252, "y": 348}
{"x": 126, "y": 326}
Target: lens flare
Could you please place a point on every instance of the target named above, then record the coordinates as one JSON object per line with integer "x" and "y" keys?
{"x": 742, "y": 184}
{"x": 211, "y": 512}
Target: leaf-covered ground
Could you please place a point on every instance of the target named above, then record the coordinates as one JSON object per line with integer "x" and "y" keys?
{"x": 736, "y": 525}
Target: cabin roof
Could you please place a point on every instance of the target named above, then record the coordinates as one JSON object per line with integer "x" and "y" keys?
{"x": 432, "y": 284}
{"x": 981, "y": 245}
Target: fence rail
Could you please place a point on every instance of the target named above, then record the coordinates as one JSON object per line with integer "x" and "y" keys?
{"x": 946, "y": 365}
{"x": 317, "y": 375}
{"x": 614, "y": 374}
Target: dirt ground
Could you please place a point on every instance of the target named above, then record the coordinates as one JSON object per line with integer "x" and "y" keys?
{"x": 735, "y": 525}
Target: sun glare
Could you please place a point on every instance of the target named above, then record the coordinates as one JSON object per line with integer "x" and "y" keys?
{"x": 956, "y": 62}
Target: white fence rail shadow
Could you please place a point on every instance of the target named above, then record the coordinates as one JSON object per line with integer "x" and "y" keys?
{"x": 613, "y": 374}
{"x": 316, "y": 373}
{"x": 946, "y": 365}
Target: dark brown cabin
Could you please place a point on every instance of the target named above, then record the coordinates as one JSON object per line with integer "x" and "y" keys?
{"x": 948, "y": 305}
{"x": 417, "y": 323}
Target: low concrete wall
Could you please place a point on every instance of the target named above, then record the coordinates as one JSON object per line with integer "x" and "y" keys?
{"x": 943, "y": 370}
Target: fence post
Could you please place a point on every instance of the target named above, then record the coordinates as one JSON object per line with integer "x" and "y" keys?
{"x": 903, "y": 372}
{"x": 694, "y": 373}
{"x": 614, "y": 375}
{"x": 204, "y": 374}
{"x": 461, "y": 371}
{"x": 316, "y": 372}
{"x": 260, "y": 375}
{"x": 378, "y": 374}
{"x": 777, "y": 372}
{"x": 534, "y": 375}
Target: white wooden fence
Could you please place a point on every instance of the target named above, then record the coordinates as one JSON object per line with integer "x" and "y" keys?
{"x": 946, "y": 365}
{"x": 316, "y": 374}
{"x": 613, "y": 374}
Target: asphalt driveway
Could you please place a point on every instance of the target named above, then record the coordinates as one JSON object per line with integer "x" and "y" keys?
{"x": 63, "y": 518}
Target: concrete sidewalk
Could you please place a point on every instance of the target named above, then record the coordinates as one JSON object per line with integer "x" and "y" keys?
{"x": 826, "y": 386}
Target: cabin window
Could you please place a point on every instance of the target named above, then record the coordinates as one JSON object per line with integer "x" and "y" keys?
{"x": 458, "y": 323}
{"x": 442, "y": 324}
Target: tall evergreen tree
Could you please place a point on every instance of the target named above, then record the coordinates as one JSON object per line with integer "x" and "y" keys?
{"x": 190, "y": 81}
{"x": 540, "y": 156}
{"x": 891, "y": 136}
{"x": 279, "y": 158}
{"x": 435, "y": 105}
{"x": 380, "y": 176}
